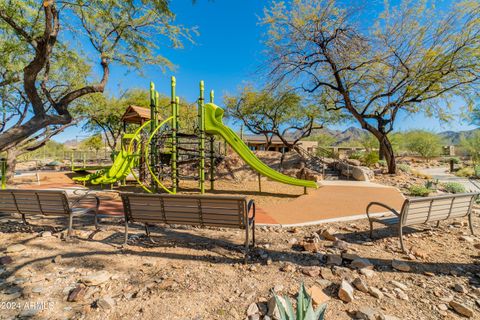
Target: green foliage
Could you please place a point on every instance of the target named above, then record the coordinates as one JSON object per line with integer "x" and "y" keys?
{"x": 93, "y": 143}
{"x": 281, "y": 113}
{"x": 52, "y": 149}
{"x": 323, "y": 139}
{"x": 456, "y": 160}
{"x": 370, "y": 158}
{"x": 369, "y": 142}
{"x": 472, "y": 146}
{"x": 424, "y": 143}
{"x": 357, "y": 155}
{"x": 419, "y": 191}
{"x": 454, "y": 187}
{"x": 404, "y": 167}
{"x": 477, "y": 171}
{"x": 382, "y": 163}
{"x": 305, "y": 309}
{"x": 465, "y": 172}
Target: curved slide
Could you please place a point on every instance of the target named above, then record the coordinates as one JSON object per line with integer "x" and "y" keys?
{"x": 214, "y": 125}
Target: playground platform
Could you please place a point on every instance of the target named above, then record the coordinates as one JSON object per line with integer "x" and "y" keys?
{"x": 333, "y": 201}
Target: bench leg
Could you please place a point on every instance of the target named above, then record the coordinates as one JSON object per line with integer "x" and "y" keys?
{"x": 400, "y": 234}
{"x": 470, "y": 224}
{"x": 147, "y": 231}
{"x": 253, "y": 234}
{"x": 247, "y": 245}
{"x": 70, "y": 225}
{"x": 126, "y": 233}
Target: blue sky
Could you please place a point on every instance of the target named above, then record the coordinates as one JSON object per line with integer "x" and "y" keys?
{"x": 227, "y": 53}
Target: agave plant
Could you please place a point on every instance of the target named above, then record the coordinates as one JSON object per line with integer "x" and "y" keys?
{"x": 305, "y": 309}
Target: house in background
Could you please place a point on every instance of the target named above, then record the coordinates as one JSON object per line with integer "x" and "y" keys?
{"x": 259, "y": 142}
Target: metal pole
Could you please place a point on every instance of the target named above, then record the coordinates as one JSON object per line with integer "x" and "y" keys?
{"x": 212, "y": 96}
{"x": 71, "y": 160}
{"x": 174, "y": 136}
{"x": 177, "y": 116}
{"x": 259, "y": 182}
{"x": 4, "y": 174}
{"x": 212, "y": 164}
{"x": 201, "y": 146}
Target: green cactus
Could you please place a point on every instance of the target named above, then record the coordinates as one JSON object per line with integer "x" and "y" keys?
{"x": 305, "y": 309}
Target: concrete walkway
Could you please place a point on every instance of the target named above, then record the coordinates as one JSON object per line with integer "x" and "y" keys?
{"x": 443, "y": 175}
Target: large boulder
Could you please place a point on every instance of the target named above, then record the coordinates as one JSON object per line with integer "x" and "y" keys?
{"x": 358, "y": 173}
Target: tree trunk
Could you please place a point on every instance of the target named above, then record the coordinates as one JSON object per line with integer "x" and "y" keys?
{"x": 11, "y": 164}
{"x": 381, "y": 152}
{"x": 389, "y": 156}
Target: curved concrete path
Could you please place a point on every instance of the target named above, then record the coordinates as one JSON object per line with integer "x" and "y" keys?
{"x": 442, "y": 174}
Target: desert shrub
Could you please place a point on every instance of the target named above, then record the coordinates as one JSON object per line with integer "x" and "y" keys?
{"x": 370, "y": 158}
{"x": 456, "y": 160}
{"x": 419, "y": 191}
{"x": 465, "y": 172}
{"x": 404, "y": 167}
{"x": 454, "y": 187}
{"x": 424, "y": 143}
{"x": 356, "y": 156}
{"x": 477, "y": 171}
{"x": 304, "y": 310}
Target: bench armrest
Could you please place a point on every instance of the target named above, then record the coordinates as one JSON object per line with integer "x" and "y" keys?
{"x": 371, "y": 204}
{"x": 251, "y": 207}
{"x": 86, "y": 198}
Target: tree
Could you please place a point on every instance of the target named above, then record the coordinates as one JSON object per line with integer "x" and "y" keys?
{"x": 93, "y": 143}
{"x": 282, "y": 114}
{"x": 471, "y": 145}
{"x": 44, "y": 57}
{"x": 104, "y": 114}
{"x": 413, "y": 59}
{"x": 424, "y": 143}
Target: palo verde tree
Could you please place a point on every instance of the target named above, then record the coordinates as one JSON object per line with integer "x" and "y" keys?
{"x": 424, "y": 143}
{"x": 58, "y": 46}
{"x": 413, "y": 58}
{"x": 282, "y": 113}
{"x": 104, "y": 113}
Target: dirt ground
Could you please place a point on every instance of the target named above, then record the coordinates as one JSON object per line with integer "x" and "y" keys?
{"x": 193, "y": 273}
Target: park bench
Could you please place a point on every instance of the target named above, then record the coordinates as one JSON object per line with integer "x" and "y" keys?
{"x": 48, "y": 203}
{"x": 196, "y": 210}
{"x": 417, "y": 211}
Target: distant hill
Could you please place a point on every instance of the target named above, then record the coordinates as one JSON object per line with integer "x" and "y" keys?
{"x": 353, "y": 133}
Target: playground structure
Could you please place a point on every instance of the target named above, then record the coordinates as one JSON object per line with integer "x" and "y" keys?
{"x": 156, "y": 151}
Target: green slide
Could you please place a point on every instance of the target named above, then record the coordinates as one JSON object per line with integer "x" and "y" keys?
{"x": 214, "y": 125}
{"x": 119, "y": 169}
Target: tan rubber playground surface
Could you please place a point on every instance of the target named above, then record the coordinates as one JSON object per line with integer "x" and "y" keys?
{"x": 333, "y": 200}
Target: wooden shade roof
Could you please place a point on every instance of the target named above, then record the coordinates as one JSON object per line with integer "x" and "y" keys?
{"x": 136, "y": 114}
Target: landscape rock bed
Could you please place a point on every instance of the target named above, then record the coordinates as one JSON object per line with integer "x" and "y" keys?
{"x": 195, "y": 273}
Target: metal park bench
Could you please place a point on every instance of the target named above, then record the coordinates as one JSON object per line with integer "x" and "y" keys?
{"x": 424, "y": 210}
{"x": 48, "y": 203}
{"x": 196, "y": 210}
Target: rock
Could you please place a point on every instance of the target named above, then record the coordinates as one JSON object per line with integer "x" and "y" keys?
{"x": 254, "y": 317}
{"x": 460, "y": 288}
{"x": 400, "y": 294}
{"x": 76, "y": 294}
{"x": 334, "y": 259}
{"x": 419, "y": 253}
{"x": 46, "y": 234}
{"x": 354, "y": 162}
{"x": 57, "y": 259}
{"x": 15, "y": 248}
{"x": 323, "y": 282}
{"x": 345, "y": 293}
{"x": 311, "y": 271}
{"x": 400, "y": 265}
{"x": 387, "y": 317}
{"x": 278, "y": 288}
{"x": 376, "y": 293}
{"x": 106, "y": 303}
{"x": 328, "y": 233}
{"x": 369, "y": 273}
{"x": 360, "y": 285}
{"x": 399, "y": 285}
{"x": 361, "y": 263}
{"x": 287, "y": 268}
{"x": 356, "y": 172}
{"x": 461, "y": 309}
{"x": 340, "y": 244}
{"x": 442, "y": 307}
{"x": 252, "y": 309}
{"x": 37, "y": 290}
{"x": 318, "y": 296}
{"x": 366, "y": 313}
{"x": 272, "y": 307}
{"x": 5, "y": 260}
{"x": 327, "y": 274}
{"x": 293, "y": 241}
{"x": 313, "y": 247}
{"x": 96, "y": 278}
{"x": 466, "y": 239}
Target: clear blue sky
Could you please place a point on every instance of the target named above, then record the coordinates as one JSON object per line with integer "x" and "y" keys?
{"x": 227, "y": 53}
